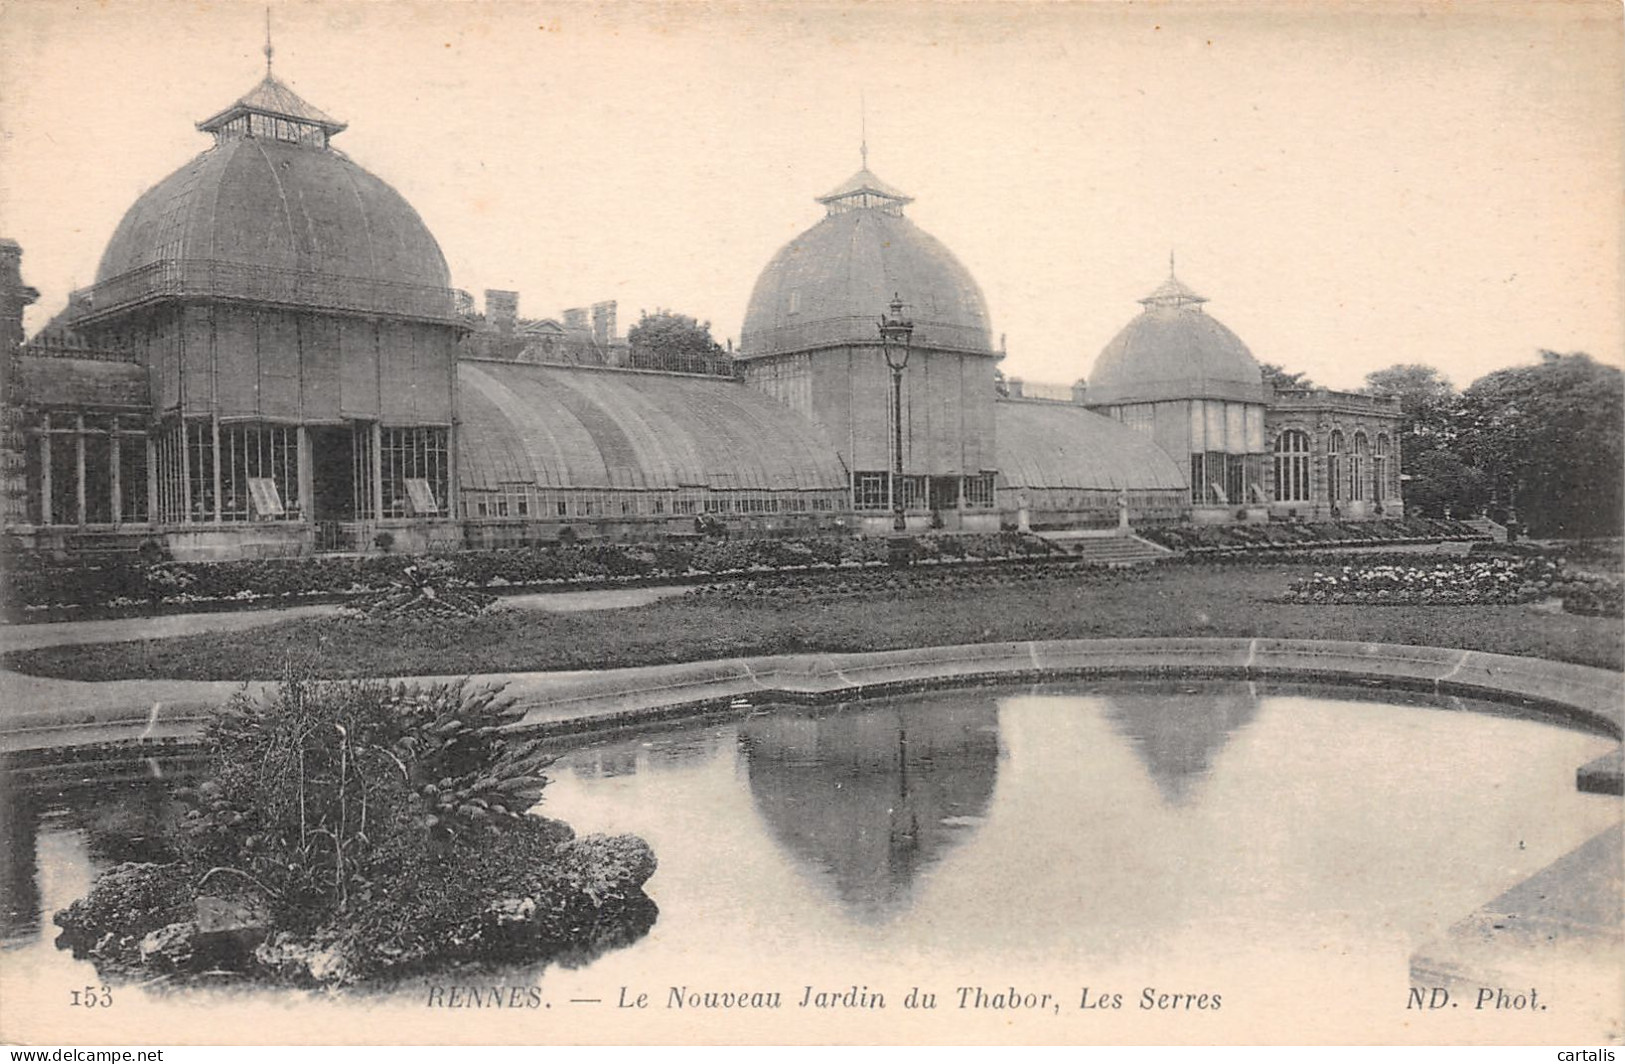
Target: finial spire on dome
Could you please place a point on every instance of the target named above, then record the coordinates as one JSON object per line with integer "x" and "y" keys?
{"x": 272, "y": 110}
{"x": 863, "y": 189}
{"x": 1172, "y": 294}
{"x": 863, "y": 130}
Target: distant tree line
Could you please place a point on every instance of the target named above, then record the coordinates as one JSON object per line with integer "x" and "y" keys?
{"x": 1542, "y": 444}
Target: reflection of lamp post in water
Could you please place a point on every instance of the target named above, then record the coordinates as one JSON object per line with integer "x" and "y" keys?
{"x": 895, "y": 334}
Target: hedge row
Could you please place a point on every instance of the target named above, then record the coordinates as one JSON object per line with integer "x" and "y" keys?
{"x": 814, "y": 587}
{"x": 130, "y": 586}
{"x": 1297, "y": 534}
{"x": 1594, "y": 596}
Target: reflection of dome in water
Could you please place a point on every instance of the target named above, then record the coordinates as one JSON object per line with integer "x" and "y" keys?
{"x": 871, "y": 797}
{"x": 1178, "y": 735}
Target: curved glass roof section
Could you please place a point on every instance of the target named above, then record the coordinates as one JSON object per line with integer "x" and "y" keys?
{"x": 1057, "y": 445}
{"x": 586, "y": 427}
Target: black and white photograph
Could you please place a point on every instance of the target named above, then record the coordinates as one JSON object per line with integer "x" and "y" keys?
{"x": 874, "y": 523}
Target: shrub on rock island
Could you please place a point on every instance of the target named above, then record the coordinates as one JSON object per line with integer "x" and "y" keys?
{"x": 357, "y": 828}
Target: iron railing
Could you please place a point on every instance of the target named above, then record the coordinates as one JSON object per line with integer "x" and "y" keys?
{"x": 828, "y": 332}
{"x": 49, "y": 347}
{"x": 304, "y": 289}
{"x": 1381, "y": 403}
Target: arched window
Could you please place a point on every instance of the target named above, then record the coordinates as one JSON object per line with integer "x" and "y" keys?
{"x": 1292, "y": 466}
{"x": 1357, "y": 467}
{"x": 1334, "y": 466}
{"x": 1382, "y": 473}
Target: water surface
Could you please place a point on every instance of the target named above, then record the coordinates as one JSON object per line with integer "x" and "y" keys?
{"x": 1286, "y": 850}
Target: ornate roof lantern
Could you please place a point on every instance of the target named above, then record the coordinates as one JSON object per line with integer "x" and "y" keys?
{"x": 271, "y": 109}
{"x": 1172, "y": 294}
{"x": 864, "y": 190}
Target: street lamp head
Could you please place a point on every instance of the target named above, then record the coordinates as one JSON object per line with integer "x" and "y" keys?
{"x": 896, "y": 332}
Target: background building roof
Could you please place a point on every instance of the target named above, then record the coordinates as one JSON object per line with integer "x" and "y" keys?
{"x": 585, "y": 427}
{"x": 1058, "y": 445}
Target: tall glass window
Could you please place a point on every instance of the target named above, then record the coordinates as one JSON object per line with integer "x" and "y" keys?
{"x": 1357, "y": 467}
{"x": 1382, "y": 472}
{"x": 259, "y": 472}
{"x": 415, "y": 471}
{"x": 871, "y": 491}
{"x": 1334, "y": 467}
{"x": 979, "y": 490}
{"x": 1292, "y": 466}
{"x": 85, "y": 468}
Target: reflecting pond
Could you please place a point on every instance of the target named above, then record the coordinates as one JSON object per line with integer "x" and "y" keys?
{"x": 1259, "y": 843}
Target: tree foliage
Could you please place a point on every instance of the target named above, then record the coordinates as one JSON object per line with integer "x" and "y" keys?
{"x": 668, "y": 340}
{"x": 1438, "y": 482}
{"x": 1428, "y": 403}
{"x": 1441, "y": 483}
{"x": 1550, "y": 442}
{"x": 1276, "y": 376}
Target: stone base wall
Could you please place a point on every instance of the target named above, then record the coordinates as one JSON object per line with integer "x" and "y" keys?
{"x": 215, "y": 543}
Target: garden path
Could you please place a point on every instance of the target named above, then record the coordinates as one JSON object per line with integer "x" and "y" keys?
{"x": 127, "y": 629}
{"x": 33, "y": 702}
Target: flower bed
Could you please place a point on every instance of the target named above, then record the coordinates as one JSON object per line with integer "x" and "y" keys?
{"x": 1486, "y": 582}
{"x": 132, "y": 587}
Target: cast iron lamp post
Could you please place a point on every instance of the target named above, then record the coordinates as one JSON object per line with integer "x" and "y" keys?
{"x": 895, "y": 334}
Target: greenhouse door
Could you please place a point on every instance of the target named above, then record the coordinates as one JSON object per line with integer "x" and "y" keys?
{"x": 332, "y": 466}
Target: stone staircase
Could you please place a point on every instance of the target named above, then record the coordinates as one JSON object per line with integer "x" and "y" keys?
{"x": 1496, "y": 532}
{"x": 1113, "y": 550}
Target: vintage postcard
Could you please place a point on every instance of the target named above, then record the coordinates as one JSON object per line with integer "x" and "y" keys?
{"x": 1085, "y": 523}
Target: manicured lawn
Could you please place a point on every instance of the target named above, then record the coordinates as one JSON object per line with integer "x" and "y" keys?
{"x": 1190, "y": 600}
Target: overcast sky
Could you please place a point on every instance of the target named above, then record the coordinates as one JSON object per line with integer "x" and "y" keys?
{"x": 1351, "y": 186}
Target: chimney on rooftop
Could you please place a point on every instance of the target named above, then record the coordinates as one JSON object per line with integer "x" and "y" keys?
{"x": 15, "y": 296}
{"x": 603, "y": 322}
{"x": 501, "y": 310}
